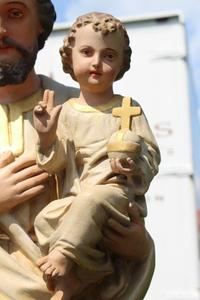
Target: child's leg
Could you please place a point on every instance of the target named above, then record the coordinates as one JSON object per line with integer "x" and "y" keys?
{"x": 79, "y": 234}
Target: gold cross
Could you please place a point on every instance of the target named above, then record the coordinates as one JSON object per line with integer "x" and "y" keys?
{"x": 126, "y": 112}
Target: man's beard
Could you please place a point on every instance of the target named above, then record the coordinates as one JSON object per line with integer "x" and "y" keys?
{"x": 17, "y": 72}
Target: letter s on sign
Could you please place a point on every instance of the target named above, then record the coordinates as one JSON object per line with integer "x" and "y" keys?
{"x": 163, "y": 129}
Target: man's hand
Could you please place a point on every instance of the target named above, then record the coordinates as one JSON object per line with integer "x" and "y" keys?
{"x": 133, "y": 242}
{"x": 45, "y": 117}
{"x": 20, "y": 181}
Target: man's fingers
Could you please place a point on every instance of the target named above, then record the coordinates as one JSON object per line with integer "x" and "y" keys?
{"x": 25, "y": 196}
{"x": 108, "y": 243}
{"x": 30, "y": 172}
{"x": 134, "y": 214}
{"x": 31, "y": 182}
{"x": 6, "y": 158}
{"x": 22, "y": 162}
{"x": 30, "y": 193}
{"x": 117, "y": 227}
{"x": 113, "y": 244}
{"x": 110, "y": 236}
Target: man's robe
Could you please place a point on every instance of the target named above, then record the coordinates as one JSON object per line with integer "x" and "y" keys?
{"x": 20, "y": 277}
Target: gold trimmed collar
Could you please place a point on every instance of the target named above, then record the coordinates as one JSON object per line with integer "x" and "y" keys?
{"x": 84, "y": 107}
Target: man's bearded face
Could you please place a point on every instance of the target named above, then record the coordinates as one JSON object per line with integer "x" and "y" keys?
{"x": 16, "y": 71}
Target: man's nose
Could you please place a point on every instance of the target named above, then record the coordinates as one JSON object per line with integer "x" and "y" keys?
{"x": 2, "y": 28}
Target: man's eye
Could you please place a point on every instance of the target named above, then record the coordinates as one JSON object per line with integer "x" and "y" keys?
{"x": 15, "y": 13}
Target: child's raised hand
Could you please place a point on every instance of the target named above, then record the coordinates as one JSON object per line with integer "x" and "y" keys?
{"x": 45, "y": 117}
{"x": 124, "y": 166}
{"x": 45, "y": 114}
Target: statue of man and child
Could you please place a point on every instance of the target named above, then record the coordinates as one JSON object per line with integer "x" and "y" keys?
{"x": 75, "y": 165}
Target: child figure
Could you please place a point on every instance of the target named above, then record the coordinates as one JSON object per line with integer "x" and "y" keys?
{"x": 96, "y": 53}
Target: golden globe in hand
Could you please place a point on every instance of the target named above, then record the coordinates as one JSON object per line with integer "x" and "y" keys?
{"x": 124, "y": 144}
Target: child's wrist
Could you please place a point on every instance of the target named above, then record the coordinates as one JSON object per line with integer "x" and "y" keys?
{"x": 45, "y": 144}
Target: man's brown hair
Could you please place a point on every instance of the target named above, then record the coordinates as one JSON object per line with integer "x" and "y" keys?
{"x": 47, "y": 17}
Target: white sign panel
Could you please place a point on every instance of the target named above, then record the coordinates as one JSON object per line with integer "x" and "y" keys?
{"x": 172, "y": 222}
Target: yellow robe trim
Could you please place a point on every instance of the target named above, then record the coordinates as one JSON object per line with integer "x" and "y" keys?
{"x": 97, "y": 108}
{"x": 12, "y": 123}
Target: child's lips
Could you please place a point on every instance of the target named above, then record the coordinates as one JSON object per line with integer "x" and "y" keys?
{"x": 95, "y": 73}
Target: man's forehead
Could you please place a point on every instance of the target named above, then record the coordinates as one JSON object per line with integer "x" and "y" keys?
{"x": 28, "y": 3}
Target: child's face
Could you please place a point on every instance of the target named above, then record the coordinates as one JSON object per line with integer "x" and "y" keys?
{"x": 96, "y": 58}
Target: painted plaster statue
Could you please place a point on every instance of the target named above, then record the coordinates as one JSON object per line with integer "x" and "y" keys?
{"x": 26, "y": 189}
{"x": 105, "y": 144}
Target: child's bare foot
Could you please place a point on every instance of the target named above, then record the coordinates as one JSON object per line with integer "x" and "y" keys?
{"x": 54, "y": 266}
{"x": 60, "y": 277}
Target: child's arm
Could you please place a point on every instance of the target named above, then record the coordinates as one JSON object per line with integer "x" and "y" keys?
{"x": 51, "y": 148}
{"x": 149, "y": 158}
{"x": 140, "y": 172}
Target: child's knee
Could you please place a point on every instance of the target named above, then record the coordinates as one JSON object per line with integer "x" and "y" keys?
{"x": 109, "y": 196}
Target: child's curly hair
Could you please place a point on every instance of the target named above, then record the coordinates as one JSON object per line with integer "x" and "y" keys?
{"x": 101, "y": 22}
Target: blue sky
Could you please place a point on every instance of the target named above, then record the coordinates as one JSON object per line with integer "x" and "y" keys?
{"x": 68, "y": 10}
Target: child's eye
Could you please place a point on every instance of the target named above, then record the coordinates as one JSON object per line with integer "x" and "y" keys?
{"x": 86, "y": 52}
{"x": 110, "y": 56}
